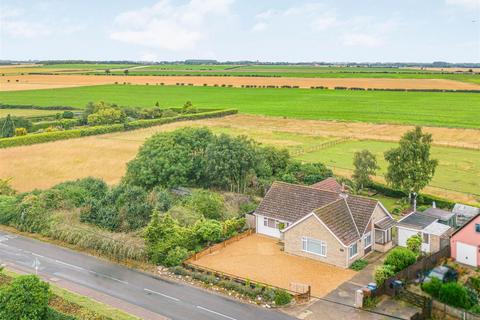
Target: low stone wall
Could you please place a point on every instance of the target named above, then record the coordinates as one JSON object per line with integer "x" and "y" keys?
{"x": 441, "y": 309}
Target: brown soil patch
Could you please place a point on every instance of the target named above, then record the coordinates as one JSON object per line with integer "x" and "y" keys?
{"x": 105, "y": 156}
{"x": 29, "y": 82}
{"x": 259, "y": 258}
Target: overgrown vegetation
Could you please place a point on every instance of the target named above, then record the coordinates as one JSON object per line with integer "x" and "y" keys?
{"x": 359, "y": 264}
{"x": 396, "y": 260}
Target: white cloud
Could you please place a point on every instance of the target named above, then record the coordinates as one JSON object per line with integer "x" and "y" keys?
{"x": 148, "y": 56}
{"x": 359, "y": 39}
{"x": 14, "y": 23}
{"x": 167, "y": 26}
{"x": 466, "y": 4}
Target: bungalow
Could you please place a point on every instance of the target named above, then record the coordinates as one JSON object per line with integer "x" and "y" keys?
{"x": 465, "y": 243}
{"x": 325, "y": 225}
{"x": 434, "y": 234}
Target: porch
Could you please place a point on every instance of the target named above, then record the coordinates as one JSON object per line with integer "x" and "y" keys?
{"x": 383, "y": 234}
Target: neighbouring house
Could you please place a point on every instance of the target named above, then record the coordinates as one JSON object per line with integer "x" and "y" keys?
{"x": 325, "y": 225}
{"x": 464, "y": 213}
{"x": 434, "y": 234}
{"x": 446, "y": 217}
{"x": 465, "y": 243}
{"x": 329, "y": 184}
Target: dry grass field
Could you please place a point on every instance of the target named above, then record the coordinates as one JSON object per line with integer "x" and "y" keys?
{"x": 44, "y": 165}
{"x": 259, "y": 258}
{"x": 30, "y": 82}
{"x": 26, "y": 112}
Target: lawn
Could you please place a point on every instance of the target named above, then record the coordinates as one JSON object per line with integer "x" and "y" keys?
{"x": 26, "y": 112}
{"x": 458, "y": 169}
{"x": 421, "y": 108}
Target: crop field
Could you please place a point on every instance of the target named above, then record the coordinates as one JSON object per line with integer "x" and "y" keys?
{"x": 26, "y": 112}
{"x": 415, "y": 108}
{"x": 44, "y": 165}
{"x": 11, "y": 82}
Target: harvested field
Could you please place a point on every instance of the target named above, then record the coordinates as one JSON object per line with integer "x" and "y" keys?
{"x": 30, "y": 82}
{"x": 105, "y": 156}
{"x": 259, "y": 258}
{"x": 27, "y": 112}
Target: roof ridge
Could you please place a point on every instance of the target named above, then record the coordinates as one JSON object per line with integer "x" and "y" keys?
{"x": 304, "y": 186}
{"x": 351, "y": 215}
{"x": 326, "y": 205}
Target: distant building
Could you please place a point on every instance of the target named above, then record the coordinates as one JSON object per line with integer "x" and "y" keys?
{"x": 445, "y": 217}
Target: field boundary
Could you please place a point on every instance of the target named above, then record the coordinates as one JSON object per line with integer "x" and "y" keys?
{"x": 96, "y": 130}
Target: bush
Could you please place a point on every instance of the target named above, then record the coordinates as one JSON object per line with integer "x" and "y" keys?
{"x": 208, "y": 231}
{"x": 25, "y": 298}
{"x": 185, "y": 216}
{"x": 208, "y": 204}
{"x": 8, "y": 206}
{"x": 20, "y": 132}
{"x": 455, "y": 295}
{"x": 67, "y": 115}
{"x": 32, "y": 215}
{"x": 175, "y": 257}
{"x": 282, "y": 297}
{"x": 400, "y": 258}
{"x": 359, "y": 264}
{"x": 432, "y": 287}
{"x": 475, "y": 309}
{"x": 5, "y": 188}
{"x": 79, "y": 192}
{"x": 383, "y": 273}
{"x": 161, "y": 199}
{"x": 414, "y": 243}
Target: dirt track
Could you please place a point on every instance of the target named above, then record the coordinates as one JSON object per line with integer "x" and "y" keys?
{"x": 30, "y": 82}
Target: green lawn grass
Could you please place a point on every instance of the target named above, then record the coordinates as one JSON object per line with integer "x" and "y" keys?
{"x": 458, "y": 169}
{"x": 422, "y": 108}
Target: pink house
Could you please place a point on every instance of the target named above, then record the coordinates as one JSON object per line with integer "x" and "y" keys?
{"x": 465, "y": 243}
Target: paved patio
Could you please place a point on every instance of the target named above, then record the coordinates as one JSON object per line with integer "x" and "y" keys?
{"x": 259, "y": 258}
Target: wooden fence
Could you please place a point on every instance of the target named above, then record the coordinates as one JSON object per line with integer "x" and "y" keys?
{"x": 220, "y": 245}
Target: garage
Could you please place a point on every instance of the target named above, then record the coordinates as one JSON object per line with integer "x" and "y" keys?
{"x": 466, "y": 254}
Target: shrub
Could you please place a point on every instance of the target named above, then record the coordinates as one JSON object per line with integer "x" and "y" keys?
{"x": 207, "y": 203}
{"x": 178, "y": 270}
{"x": 475, "y": 309}
{"x": 208, "y": 231}
{"x": 25, "y": 298}
{"x": 432, "y": 287}
{"x": 400, "y": 258}
{"x": 359, "y": 264}
{"x": 185, "y": 216}
{"x": 268, "y": 294}
{"x": 456, "y": 295}
{"x": 175, "y": 257}
{"x": 161, "y": 199}
{"x": 8, "y": 206}
{"x": 20, "y": 132}
{"x": 383, "y": 273}
{"x": 32, "y": 215}
{"x": 414, "y": 243}
{"x": 169, "y": 113}
{"x": 67, "y": 115}
{"x": 282, "y": 297}
{"x": 5, "y": 188}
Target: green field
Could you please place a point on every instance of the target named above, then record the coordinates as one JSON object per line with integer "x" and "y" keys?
{"x": 26, "y": 112}
{"x": 422, "y": 108}
{"x": 86, "y": 66}
{"x": 458, "y": 169}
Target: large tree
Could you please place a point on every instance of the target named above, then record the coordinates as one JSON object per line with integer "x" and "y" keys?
{"x": 366, "y": 166}
{"x": 410, "y": 167}
{"x": 8, "y": 128}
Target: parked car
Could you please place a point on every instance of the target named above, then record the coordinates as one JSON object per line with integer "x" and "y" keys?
{"x": 442, "y": 273}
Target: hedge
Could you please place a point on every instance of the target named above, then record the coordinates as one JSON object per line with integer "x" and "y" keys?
{"x": 423, "y": 199}
{"x": 56, "y": 123}
{"x": 89, "y": 131}
{"x": 16, "y": 106}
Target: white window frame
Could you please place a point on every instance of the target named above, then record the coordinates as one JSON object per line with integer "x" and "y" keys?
{"x": 323, "y": 245}
{"x": 276, "y": 223}
{"x": 367, "y": 236}
{"x": 350, "y": 256}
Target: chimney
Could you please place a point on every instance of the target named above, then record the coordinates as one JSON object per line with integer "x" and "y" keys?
{"x": 343, "y": 192}
{"x": 414, "y": 202}
{"x": 434, "y": 205}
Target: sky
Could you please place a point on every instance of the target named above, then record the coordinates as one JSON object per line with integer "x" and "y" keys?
{"x": 232, "y": 30}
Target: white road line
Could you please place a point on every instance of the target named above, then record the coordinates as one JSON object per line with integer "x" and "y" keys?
{"x": 161, "y": 294}
{"x": 217, "y": 313}
{"x": 71, "y": 265}
{"x": 37, "y": 255}
{"x": 108, "y": 277}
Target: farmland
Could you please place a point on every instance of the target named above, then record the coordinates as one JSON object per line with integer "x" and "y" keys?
{"x": 43, "y": 165}
{"x": 422, "y": 108}
{"x": 26, "y": 112}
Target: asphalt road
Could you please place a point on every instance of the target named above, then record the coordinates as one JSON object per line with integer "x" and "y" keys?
{"x": 167, "y": 298}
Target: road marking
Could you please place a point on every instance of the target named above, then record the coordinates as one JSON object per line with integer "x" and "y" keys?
{"x": 161, "y": 294}
{"x": 108, "y": 277}
{"x": 70, "y": 265}
{"x": 215, "y": 312}
{"x": 37, "y": 255}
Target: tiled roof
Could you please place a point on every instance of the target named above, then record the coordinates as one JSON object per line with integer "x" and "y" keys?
{"x": 338, "y": 219}
{"x": 439, "y": 214}
{"x": 329, "y": 184}
{"x": 385, "y": 223}
{"x": 291, "y": 202}
{"x": 344, "y": 215}
{"x": 362, "y": 209}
